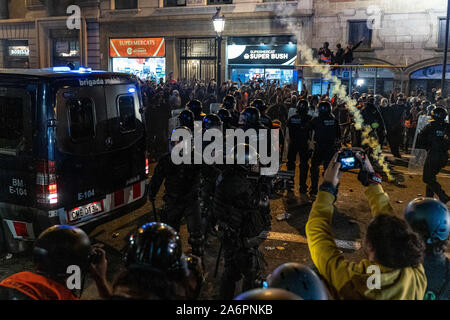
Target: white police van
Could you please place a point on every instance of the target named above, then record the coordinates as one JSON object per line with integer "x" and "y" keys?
{"x": 72, "y": 150}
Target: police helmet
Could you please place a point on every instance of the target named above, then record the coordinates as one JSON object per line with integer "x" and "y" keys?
{"x": 324, "y": 108}
{"x": 302, "y": 106}
{"x": 430, "y": 218}
{"x": 224, "y": 115}
{"x": 250, "y": 117}
{"x": 186, "y": 118}
{"x": 155, "y": 246}
{"x": 229, "y": 102}
{"x": 186, "y": 142}
{"x": 212, "y": 121}
{"x": 196, "y": 107}
{"x": 259, "y": 104}
{"x": 59, "y": 247}
{"x": 439, "y": 114}
{"x": 267, "y": 294}
{"x": 298, "y": 279}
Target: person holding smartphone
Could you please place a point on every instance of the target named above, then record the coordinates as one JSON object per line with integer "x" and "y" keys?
{"x": 393, "y": 268}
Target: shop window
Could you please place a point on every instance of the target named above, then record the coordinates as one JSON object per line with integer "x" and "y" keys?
{"x": 11, "y": 122}
{"x": 65, "y": 51}
{"x": 174, "y": 3}
{"x": 213, "y": 2}
{"x": 127, "y": 115}
{"x": 441, "y": 38}
{"x": 126, "y": 4}
{"x": 81, "y": 119}
{"x": 359, "y": 30}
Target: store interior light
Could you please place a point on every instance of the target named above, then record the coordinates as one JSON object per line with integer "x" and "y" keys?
{"x": 360, "y": 82}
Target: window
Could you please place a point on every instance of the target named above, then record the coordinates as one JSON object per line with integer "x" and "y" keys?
{"x": 441, "y": 38}
{"x": 359, "y": 30}
{"x": 174, "y": 3}
{"x": 220, "y": 2}
{"x": 198, "y": 58}
{"x": 127, "y": 114}
{"x": 126, "y": 4}
{"x": 81, "y": 119}
{"x": 11, "y": 122}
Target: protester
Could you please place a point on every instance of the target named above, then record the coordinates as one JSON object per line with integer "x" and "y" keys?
{"x": 391, "y": 246}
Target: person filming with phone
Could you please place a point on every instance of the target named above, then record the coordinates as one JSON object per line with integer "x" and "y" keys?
{"x": 394, "y": 252}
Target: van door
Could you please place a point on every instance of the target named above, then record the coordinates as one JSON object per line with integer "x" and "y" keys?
{"x": 100, "y": 142}
{"x": 17, "y": 109}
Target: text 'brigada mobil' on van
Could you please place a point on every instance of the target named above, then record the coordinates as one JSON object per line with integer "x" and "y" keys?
{"x": 72, "y": 149}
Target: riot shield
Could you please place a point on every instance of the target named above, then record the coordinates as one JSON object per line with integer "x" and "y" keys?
{"x": 291, "y": 112}
{"x": 176, "y": 112}
{"x": 417, "y": 161}
{"x": 421, "y": 123}
{"x": 213, "y": 108}
{"x": 173, "y": 124}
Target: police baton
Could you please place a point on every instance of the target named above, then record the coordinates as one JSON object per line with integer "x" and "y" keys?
{"x": 218, "y": 259}
{"x": 154, "y": 211}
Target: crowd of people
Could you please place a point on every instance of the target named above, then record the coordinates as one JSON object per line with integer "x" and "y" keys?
{"x": 231, "y": 203}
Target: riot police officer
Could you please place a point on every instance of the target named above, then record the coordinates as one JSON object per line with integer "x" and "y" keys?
{"x": 326, "y": 138}
{"x": 157, "y": 267}
{"x": 250, "y": 119}
{"x": 182, "y": 183}
{"x": 435, "y": 138}
{"x": 209, "y": 175}
{"x": 243, "y": 214}
{"x": 186, "y": 119}
{"x": 229, "y": 103}
{"x": 262, "y": 107}
{"x": 431, "y": 220}
{"x": 197, "y": 109}
{"x": 300, "y": 134}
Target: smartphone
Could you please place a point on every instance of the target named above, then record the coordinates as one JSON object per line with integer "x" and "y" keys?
{"x": 348, "y": 163}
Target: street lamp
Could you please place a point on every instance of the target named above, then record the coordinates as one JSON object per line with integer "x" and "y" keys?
{"x": 444, "y": 65}
{"x": 219, "y": 25}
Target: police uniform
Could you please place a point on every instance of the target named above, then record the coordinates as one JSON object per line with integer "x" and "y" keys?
{"x": 182, "y": 183}
{"x": 326, "y": 136}
{"x": 300, "y": 134}
{"x": 243, "y": 212}
{"x": 435, "y": 138}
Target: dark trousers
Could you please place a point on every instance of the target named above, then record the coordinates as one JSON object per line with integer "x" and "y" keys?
{"x": 174, "y": 212}
{"x": 395, "y": 138}
{"x": 433, "y": 164}
{"x": 322, "y": 156}
{"x": 240, "y": 262}
{"x": 305, "y": 155}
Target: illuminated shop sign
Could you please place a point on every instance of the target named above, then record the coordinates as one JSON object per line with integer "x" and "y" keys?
{"x": 138, "y": 47}
{"x": 262, "y": 54}
{"x": 19, "y": 51}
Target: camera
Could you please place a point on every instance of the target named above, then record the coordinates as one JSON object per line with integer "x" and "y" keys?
{"x": 348, "y": 160}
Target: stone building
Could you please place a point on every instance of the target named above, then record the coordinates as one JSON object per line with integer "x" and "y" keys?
{"x": 262, "y": 38}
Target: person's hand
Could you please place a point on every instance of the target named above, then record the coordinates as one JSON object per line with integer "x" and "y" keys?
{"x": 98, "y": 270}
{"x": 366, "y": 165}
{"x": 333, "y": 174}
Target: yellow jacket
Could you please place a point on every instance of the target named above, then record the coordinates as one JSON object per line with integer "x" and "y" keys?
{"x": 347, "y": 279}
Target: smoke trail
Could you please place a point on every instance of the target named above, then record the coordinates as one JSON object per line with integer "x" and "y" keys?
{"x": 284, "y": 14}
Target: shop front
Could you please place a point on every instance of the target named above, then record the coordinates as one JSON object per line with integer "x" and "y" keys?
{"x": 142, "y": 57}
{"x": 427, "y": 78}
{"x": 16, "y": 54}
{"x": 268, "y": 59}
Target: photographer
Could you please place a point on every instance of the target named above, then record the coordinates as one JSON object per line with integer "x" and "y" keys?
{"x": 390, "y": 243}
{"x": 56, "y": 249}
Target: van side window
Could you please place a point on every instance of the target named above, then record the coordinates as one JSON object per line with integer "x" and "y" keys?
{"x": 127, "y": 114}
{"x": 81, "y": 119}
{"x": 11, "y": 122}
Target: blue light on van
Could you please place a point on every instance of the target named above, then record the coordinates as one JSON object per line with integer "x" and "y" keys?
{"x": 131, "y": 90}
{"x": 61, "y": 69}
{"x": 81, "y": 69}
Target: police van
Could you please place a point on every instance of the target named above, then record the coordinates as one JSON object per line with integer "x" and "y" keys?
{"x": 72, "y": 150}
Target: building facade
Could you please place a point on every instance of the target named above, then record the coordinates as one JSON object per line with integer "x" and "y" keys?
{"x": 402, "y": 40}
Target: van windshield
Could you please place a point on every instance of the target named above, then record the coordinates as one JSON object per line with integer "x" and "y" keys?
{"x": 13, "y": 102}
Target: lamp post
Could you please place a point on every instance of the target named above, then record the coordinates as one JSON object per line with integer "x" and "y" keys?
{"x": 444, "y": 65}
{"x": 219, "y": 25}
